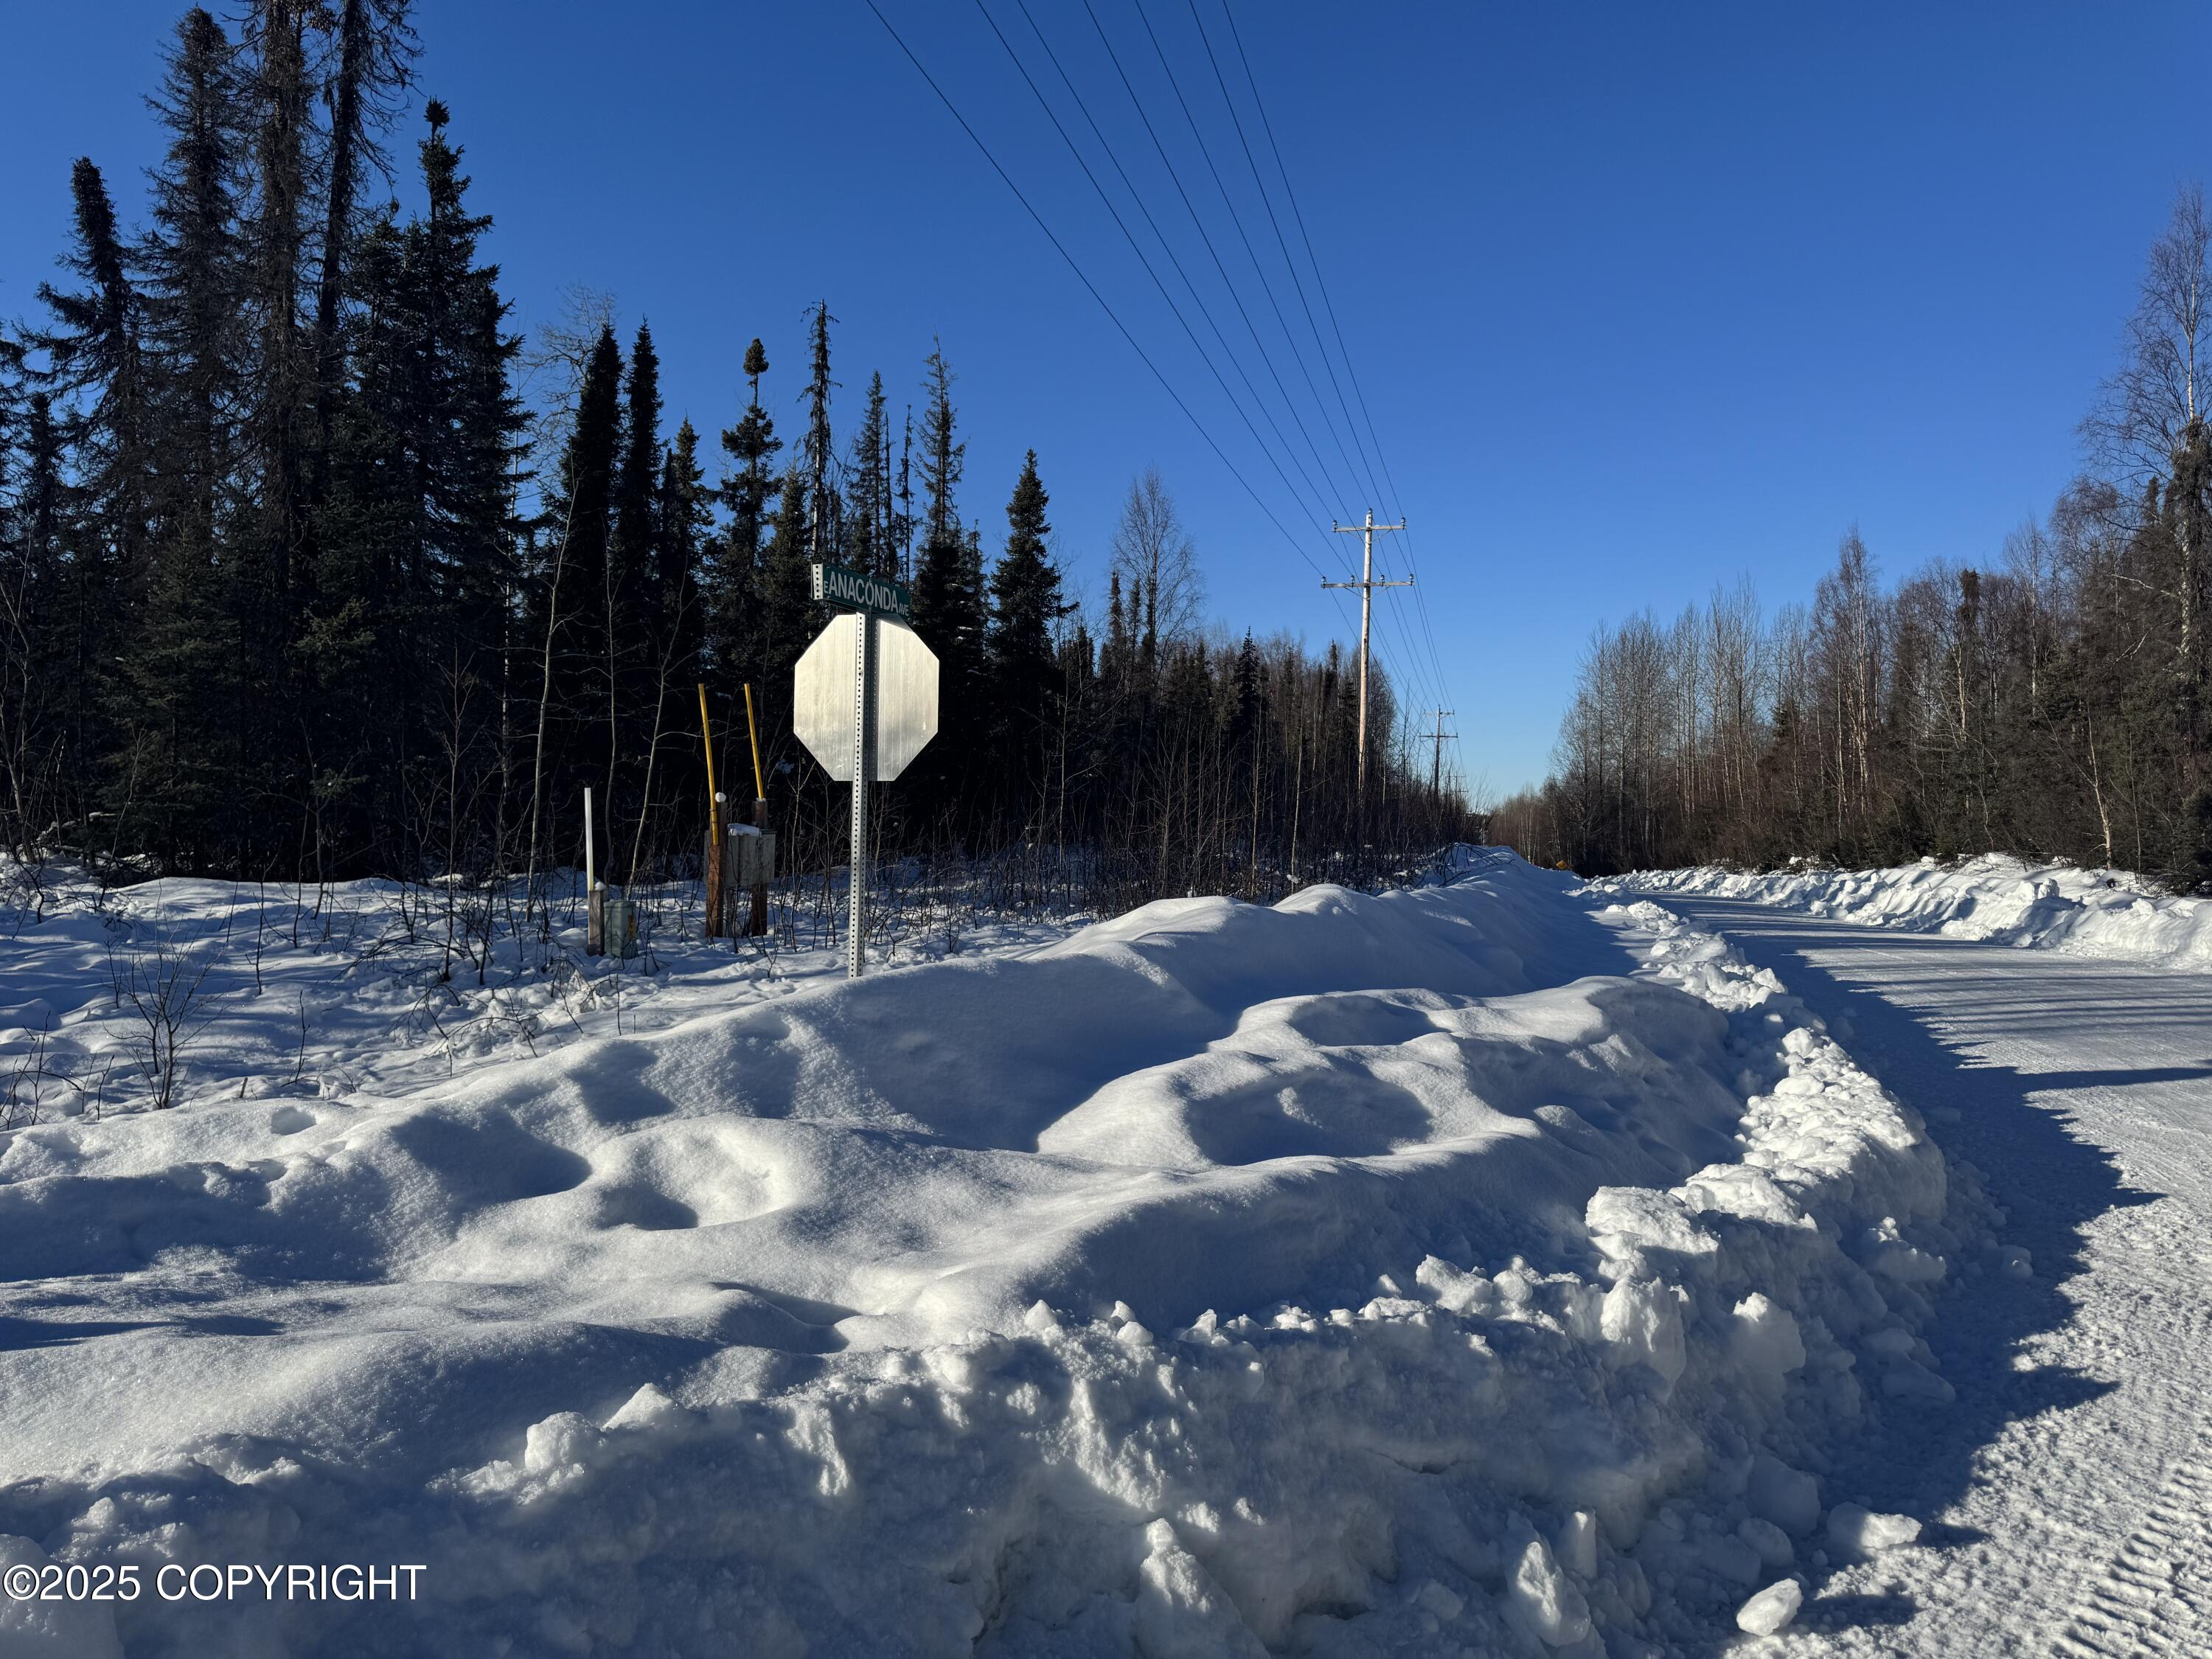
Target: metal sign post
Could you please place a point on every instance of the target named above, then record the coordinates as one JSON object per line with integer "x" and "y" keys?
{"x": 865, "y": 701}
{"x": 864, "y": 774}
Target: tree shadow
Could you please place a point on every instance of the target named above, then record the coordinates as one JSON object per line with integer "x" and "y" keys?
{"x": 1919, "y": 1457}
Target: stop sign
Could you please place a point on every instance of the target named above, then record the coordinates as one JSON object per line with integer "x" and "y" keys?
{"x": 903, "y": 687}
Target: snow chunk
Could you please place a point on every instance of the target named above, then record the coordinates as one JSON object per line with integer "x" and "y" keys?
{"x": 1766, "y": 1339}
{"x": 1623, "y": 1221}
{"x": 1543, "y": 1601}
{"x": 1772, "y": 1609}
{"x": 1767, "y": 1540}
{"x": 1181, "y": 1612}
{"x": 1437, "y": 1599}
{"x": 1786, "y": 1497}
{"x": 1643, "y": 1321}
{"x": 1578, "y": 1543}
{"x": 565, "y": 1441}
{"x": 1854, "y": 1531}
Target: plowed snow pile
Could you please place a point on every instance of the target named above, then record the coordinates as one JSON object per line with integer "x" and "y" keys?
{"x": 2093, "y": 912}
{"x": 1467, "y": 1270}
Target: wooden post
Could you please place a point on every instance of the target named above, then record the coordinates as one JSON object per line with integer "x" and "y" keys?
{"x": 757, "y": 923}
{"x": 713, "y": 927}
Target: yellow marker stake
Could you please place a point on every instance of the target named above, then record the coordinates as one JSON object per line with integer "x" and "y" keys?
{"x": 706, "y": 735}
{"x": 760, "y": 789}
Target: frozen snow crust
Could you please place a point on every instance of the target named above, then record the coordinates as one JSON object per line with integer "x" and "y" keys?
{"x": 1355, "y": 1276}
{"x": 1996, "y": 897}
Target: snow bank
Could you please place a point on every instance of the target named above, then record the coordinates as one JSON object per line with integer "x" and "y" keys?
{"x": 1463, "y": 1270}
{"x": 2097, "y": 912}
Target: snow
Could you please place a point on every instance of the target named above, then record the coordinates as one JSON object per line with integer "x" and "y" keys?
{"x": 1772, "y": 1609}
{"x": 1488, "y": 1267}
{"x": 1854, "y": 1531}
{"x": 1996, "y": 897}
{"x": 2060, "y": 1482}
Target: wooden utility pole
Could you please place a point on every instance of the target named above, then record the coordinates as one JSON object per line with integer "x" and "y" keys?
{"x": 1366, "y": 585}
{"x": 1436, "y": 760}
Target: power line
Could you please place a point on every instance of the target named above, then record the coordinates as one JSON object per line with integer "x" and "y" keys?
{"x": 1197, "y": 223}
{"x": 1329, "y": 305}
{"x": 1236, "y": 219}
{"x": 1236, "y": 121}
{"x": 1121, "y": 225}
{"x": 1411, "y": 657}
{"x": 1089, "y": 286}
{"x": 1167, "y": 247}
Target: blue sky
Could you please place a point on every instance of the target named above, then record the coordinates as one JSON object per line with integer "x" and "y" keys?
{"x": 1641, "y": 298}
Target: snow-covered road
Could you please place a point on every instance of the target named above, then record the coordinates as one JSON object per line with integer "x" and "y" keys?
{"x": 2068, "y": 1490}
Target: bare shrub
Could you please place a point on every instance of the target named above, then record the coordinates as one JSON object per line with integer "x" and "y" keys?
{"x": 162, "y": 982}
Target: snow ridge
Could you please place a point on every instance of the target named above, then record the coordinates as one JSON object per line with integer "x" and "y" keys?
{"x": 1996, "y": 897}
{"x": 1229, "y": 1296}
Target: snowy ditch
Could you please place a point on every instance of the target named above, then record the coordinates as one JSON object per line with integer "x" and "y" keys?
{"x": 1190, "y": 1286}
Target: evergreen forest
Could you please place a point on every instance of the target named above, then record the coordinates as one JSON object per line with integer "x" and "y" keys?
{"x": 314, "y": 564}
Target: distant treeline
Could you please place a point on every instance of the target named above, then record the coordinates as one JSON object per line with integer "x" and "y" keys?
{"x": 295, "y": 580}
{"x": 2053, "y": 705}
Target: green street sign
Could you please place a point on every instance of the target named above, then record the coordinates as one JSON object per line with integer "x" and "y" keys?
{"x": 854, "y": 590}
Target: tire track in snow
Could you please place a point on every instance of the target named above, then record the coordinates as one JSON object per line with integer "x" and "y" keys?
{"x": 2155, "y": 1597}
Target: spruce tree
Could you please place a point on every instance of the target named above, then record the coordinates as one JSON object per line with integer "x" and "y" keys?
{"x": 789, "y": 618}
{"x": 869, "y": 514}
{"x": 374, "y": 50}
{"x": 817, "y": 454}
{"x": 948, "y": 597}
{"x": 943, "y": 456}
{"x": 903, "y": 528}
{"x": 186, "y": 682}
{"x": 408, "y": 622}
{"x": 95, "y": 357}
{"x": 281, "y": 403}
{"x": 571, "y": 596}
{"x": 635, "y": 613}
{"x": 194, "y": 289}
{"x": 734, "y": 634}
{"x": 1025, "y": 603}
{"x": 684, "y": 516}
{"x": 34, "y": 641}
{"x": 638, "y": 481}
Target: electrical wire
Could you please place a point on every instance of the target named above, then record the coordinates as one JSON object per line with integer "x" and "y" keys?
{"x": 1090, "y": 287}
{"x": 1197, "y": 223}
{"x": 1236, "y": 219}
{"x": 1236, "y": 122}
{"x": 1425, "y": 674}
{"x": 1167, "y": 247}
{"x": 1336, "y": 327}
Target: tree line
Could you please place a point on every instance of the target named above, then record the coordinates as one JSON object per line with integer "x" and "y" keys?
{"x": 296, "y": 581}
{"x": 2050, "y": 703}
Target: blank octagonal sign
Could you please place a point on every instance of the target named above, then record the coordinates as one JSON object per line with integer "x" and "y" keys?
{"x": 905, "y": 687}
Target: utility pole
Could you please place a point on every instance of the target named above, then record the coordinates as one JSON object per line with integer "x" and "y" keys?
{"x": 1366, "y": 585}
{"x": 1436, "y": 760}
